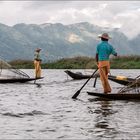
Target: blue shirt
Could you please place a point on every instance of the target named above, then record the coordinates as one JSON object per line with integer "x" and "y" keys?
{"x": 104, "y": 50}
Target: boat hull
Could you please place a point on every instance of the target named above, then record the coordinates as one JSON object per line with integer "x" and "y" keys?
{"x": 18, "y": 80}
{"x": 80, "y": 76}
{"x": 77, "y": 76}
{"x": 116, "y": 96}
{"x": 124, "y": 81}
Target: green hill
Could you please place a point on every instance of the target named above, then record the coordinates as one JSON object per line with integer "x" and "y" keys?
{"x": 120, "y": 62}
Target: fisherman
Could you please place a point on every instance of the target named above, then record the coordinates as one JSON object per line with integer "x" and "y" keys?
{"x": 37, "y": 63}
{"x": 103, "y": 51}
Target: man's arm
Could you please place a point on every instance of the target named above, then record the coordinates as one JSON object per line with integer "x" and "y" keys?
{"x": 114, "y": 52}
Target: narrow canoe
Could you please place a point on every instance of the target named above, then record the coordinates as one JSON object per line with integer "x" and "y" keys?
{"x": 121, "y": 79}
{"x": 18, "y": 80}
{"x": 77, "y": 75}
{"x": 117, "y": 96}
{"x": 118, "y": 79}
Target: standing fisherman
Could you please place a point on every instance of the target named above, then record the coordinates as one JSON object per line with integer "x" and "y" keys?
{"x": 37, "y": 63}
{"x": 103, "y": 51}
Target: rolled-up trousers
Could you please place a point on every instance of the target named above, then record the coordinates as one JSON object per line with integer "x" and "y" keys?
{"x": 104, "y": 69}
{"x": 37, "y": 68}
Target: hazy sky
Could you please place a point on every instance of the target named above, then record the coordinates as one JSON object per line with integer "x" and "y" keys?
{"x": 121, "y": 14}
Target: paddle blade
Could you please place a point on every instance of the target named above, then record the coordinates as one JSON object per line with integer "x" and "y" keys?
{"x": 76, "y": 94}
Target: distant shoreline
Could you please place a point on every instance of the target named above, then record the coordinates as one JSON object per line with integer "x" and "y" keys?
{"x": 120, "y": 62}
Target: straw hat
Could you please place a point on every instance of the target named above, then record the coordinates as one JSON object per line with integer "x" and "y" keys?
{"x": 38, "y": 49}
{"x": 105, "y": 36}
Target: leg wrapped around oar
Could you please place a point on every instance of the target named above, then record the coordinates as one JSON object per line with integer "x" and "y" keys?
{"x": 103, "y": 71}
{"x": 37, "y": 69}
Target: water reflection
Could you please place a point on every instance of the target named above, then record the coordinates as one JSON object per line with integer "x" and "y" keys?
{"x": 103, "y": 112}
{"x": 38, "y": 85}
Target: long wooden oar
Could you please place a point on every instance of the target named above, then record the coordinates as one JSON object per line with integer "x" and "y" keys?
{"x": 78, "y": 92}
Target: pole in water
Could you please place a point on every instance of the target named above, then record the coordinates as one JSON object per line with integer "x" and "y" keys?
{"x": 95, "y": 82}
{"x": 78, "y": 92}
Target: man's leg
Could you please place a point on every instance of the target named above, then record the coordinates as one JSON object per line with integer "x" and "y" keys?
{"x": 104, "y": 79}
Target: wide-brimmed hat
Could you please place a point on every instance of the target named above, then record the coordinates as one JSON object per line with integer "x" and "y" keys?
{"x": 105, "y": 36}
{"x": 38, "y": 49}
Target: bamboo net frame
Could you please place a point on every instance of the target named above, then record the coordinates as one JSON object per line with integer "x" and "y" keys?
{"x": 7, "y": 71}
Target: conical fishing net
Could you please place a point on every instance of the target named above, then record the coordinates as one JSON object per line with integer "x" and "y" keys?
{"x": 9, "y": 72}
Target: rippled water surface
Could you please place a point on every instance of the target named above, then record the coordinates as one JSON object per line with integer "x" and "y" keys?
{"x": 45, "y": 110}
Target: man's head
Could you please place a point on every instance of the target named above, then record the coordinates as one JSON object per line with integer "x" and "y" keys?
{"x": 38, "y": 50}
{"x": 104, "y": 37}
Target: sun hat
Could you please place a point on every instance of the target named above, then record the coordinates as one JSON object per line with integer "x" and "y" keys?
{"x": 105, "y": 36}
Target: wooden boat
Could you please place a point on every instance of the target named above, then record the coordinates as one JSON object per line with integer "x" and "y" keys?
{"x": 121, "y": 79}
{"x": 18, "y": 80}
{"x": 77, "y": 75}
{"x": 118, "y": 79}
{"x": 117, "y": 96}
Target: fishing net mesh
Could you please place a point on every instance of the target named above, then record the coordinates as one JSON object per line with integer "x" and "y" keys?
{"x": 133, "y": 87}
{"x": 9, "y": 72}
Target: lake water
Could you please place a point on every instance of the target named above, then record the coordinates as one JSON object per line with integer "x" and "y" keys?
{"x": 46, "y": 110}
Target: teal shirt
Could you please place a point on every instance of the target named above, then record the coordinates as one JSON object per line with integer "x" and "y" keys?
{"x": 104, "y": 50}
